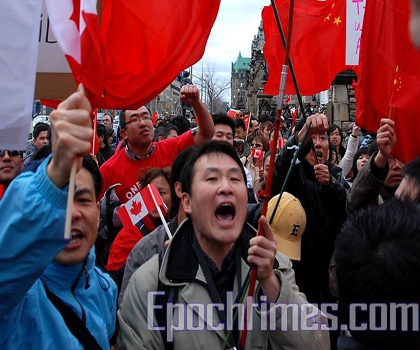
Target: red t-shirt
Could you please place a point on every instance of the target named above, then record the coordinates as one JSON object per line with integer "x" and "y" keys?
{"x": 122, "y": 169}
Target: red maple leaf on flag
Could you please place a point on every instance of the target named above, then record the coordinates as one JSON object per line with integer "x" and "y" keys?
{"x": 136, "y": 208}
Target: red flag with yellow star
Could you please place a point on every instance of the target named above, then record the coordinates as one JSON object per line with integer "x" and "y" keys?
{"x": 389, "y": 75}
{"x": 318, "y": 45}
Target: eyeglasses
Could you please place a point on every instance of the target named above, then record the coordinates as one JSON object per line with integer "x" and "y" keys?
{"x": 137, "y": 120}
{"x": 256, "y": 144}
{"x": 10, "y": 153}
{"x": 322, "y": 138}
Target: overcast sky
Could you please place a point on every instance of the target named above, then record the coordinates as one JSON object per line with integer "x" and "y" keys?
{"x": 236, "y": 24}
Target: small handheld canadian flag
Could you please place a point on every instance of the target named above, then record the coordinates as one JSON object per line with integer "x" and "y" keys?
{"x": 256, "y": 153}
{"x": 140, "y": 205}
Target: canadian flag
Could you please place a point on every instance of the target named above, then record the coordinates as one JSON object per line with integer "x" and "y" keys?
{"x": 76, "y": 28}
{"x": 140, "y": 205}
{"x": 256, "y": 153}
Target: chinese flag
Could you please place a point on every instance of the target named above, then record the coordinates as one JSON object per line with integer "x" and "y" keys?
{"x": 389, "y": 75}
{"x": 147, "y": 43}
{"x": 155, "y": 117}
{"x": 247, "y": 120}
{"x": 318, "y": 44}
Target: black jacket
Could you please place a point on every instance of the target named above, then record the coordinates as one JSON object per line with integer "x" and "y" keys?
{"x": 325, "y": 212}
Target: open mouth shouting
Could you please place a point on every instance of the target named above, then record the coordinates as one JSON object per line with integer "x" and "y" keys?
{"x": 225, "y": 213}
{"x": 76, "y": 237}
{"x": 319, "y": 155}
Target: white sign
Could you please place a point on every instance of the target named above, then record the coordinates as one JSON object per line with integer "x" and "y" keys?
{"x": 50, "y": 57}
{"x": 18, "y": 51}
{"x": 355, "y": 13}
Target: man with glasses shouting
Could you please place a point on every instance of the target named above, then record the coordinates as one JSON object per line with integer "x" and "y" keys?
{"x": 10, "y": 167}
{"x": 136, "y": 128}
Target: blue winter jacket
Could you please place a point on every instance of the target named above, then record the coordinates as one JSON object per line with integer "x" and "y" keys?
{"x": 32, "y": 215}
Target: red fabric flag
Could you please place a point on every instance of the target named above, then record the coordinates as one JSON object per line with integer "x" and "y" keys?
{"x": 318, "y": 46}
{"x": 247, "y": 120}
{"x": 155, "y": 117}
{"x": 147, "y": 43}
{"x": 233, "y": 113}
{"x": 140, "y": 205}
{"x": 76, "y": 28}
{"x": 389, "y": 75}
{"x": 134, "y": 56}
{"x": 50, "y": 103}
{"x": 294, "y": 116}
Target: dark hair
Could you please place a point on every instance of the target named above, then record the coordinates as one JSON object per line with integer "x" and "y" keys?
{"x": 109, "y": 115}
{"x": 122, "y": 116}
{"x": 334, "y": 127}
{"x": 147, "y": 175}
{"x": 188, "y": 171}
{"x": 239, "y": 123}
{"x": 164, "y": 130}
{"x": 262, "y": 118}
{"x": 101, "y": 130}
{"x": 332, "y": 150}
{"x": 177, "y": 166}
{"x": 40, "y": 127}
{"x": 223, "y": 119}
{"x": 181, "y": 122}
{"x": 122, "y": 119}
{"x": 354, "y": 170}
{"x": 377, "y": 261}
{"x": 92, "y": 167}
{"x": 341, "y": 148}
{"x": 412, "y": 171}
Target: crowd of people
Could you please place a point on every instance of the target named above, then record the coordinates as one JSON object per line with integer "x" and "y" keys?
{"x": 336, "y": 266}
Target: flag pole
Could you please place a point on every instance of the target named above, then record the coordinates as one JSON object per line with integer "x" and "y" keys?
{"x": 267, "y": 191}
{"x": 160, "y": 213}
{"x": 292, "y": 71}
{"x": 72, "y": 184}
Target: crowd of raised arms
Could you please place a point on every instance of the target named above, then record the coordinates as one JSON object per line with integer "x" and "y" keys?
{"x": 337, "y": 266}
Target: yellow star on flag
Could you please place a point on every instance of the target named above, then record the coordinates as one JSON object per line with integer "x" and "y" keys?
{"x": 337, "y": 20}
{"x": 328, "y": 17}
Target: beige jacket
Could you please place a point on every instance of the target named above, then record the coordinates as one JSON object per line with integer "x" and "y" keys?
{"x": 137, "y": 305}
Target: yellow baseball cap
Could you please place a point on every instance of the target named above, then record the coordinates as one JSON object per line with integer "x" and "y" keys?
{"x": 288, "y": 224}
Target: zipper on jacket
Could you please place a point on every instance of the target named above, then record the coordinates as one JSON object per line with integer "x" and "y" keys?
{"x": 84, "y": 272}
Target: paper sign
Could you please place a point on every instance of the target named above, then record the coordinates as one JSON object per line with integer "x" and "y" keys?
{"x": 354, "y": 22}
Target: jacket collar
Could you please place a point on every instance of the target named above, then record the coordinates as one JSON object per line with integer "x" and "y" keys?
{"x": 60, "y": 277}
{"x": 180, "y": 264}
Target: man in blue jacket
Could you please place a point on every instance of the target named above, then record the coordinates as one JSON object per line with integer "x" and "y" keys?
{"x": 51, "y": 294}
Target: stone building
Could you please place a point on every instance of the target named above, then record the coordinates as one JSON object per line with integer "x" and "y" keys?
{"x": 257, "y": 102}
{"x": 238, "y": 82}
{"x": 168, "y": 100}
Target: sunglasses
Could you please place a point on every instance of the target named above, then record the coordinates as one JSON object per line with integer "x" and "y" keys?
{"x": 10, "y": 153}
{"x": 256, "y": 144}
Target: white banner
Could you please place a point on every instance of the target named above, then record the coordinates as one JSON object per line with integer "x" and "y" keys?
{"x": 19, "y": 30}
{"x": 355, "y": 13}
{"x": 50, "y": 57}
